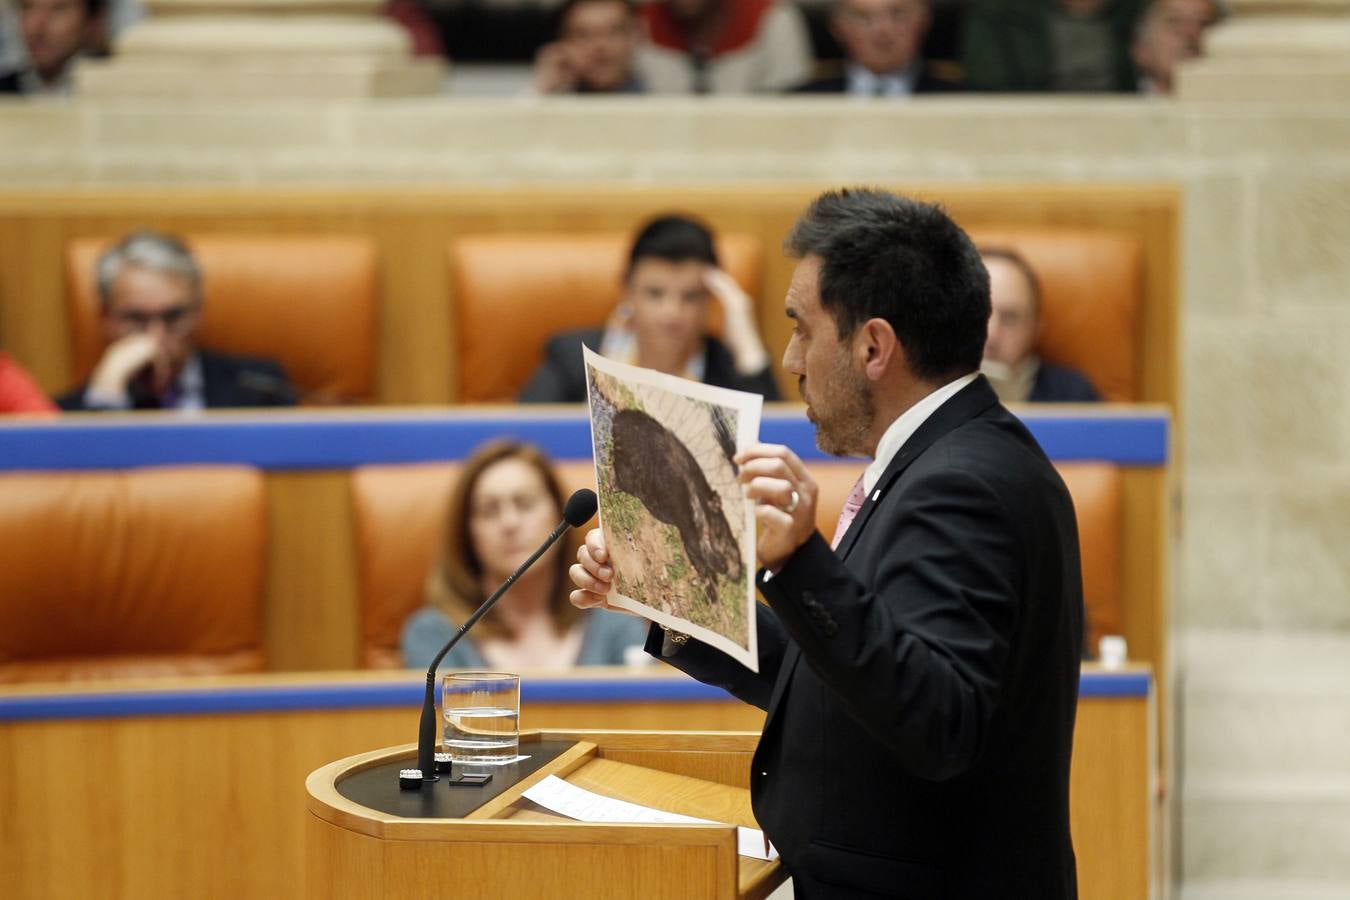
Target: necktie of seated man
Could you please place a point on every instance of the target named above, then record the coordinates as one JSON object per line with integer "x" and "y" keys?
{"x": 849, "y": 512}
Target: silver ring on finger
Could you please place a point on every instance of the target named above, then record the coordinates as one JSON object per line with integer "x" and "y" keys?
{"x": 792, "y": 504}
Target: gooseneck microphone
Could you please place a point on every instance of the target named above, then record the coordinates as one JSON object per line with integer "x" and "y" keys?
{"x": 578, "y": 511}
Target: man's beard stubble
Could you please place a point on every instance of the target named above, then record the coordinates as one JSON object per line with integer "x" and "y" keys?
{"x": 844, "y": 418}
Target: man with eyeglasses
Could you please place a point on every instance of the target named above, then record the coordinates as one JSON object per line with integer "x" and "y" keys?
{"x": 150, "y": 299}
{"x": 883, "y": 43}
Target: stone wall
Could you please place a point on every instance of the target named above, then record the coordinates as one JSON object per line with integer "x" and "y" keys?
{"x": 1265, "y": 399}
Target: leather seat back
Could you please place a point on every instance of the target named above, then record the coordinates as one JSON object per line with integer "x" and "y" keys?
{"x": 141, "y": 572}
{"x": 308, "y": 302}
{"x": 511, "y": 292}
{"x": 400, "y": 525}
{"x": 1091, "y": 300}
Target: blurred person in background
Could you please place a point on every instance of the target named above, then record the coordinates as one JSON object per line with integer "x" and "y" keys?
{"x": 594, "y": 51}
{"x": 661, "y": 321}
{"x": 19, "y": 393}
{"x": 1010, "y": 362}
{"x": 56, "y": 33}
{"x": 150, "y": 301}
{"x": 883, "y": 44}
{"x": 1050, "y": 45}
{"x": 723, "y": 47}
{"x": 504, "y": 505}
{"x": 1170, "y": 32}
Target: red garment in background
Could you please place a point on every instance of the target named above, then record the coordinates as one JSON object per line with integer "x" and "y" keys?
{"x": 19, "y": 393}
{"x": 737, "y": 33}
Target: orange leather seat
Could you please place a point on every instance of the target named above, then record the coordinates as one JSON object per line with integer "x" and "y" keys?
{"x": 308, "y": 302}
{"x": 400, "y": 524}
{"x": 400, "y": 512}
{"x": 1091, "y": 300}
{"x": 136, "y": 573}
{"x": 511, "y": 292}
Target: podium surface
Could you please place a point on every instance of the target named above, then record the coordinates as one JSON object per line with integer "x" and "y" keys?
{"x": 490, "y": 842}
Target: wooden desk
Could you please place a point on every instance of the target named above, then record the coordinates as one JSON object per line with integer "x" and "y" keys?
{"x": 195, "y": 788}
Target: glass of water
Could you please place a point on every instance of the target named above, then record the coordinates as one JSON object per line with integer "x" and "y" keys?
{"x": 482, "y": 717}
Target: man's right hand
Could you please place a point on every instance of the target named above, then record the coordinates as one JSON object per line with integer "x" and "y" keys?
{"x": 592, "y": 574}
{"x": 553, "y": 72}
{"x": 125, "y": 359}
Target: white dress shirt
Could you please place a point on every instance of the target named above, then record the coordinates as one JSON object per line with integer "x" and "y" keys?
{"x": 903, "y": 428}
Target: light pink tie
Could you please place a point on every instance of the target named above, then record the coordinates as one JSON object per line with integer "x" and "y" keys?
{"x": 850, "y": 510}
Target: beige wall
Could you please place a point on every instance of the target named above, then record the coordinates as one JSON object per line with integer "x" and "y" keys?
{"x": 1266, "y": 248}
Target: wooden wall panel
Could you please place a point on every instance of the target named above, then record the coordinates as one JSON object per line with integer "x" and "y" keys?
{"x": 412, "y": 229}
{"x": 213, "y": 806}
{"x": 313, "y": 604}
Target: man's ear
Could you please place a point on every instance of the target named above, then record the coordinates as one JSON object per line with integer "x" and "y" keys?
{"x": 877, "y": 348}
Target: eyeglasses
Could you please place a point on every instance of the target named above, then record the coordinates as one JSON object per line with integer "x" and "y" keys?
{"x": 176, "y": 319}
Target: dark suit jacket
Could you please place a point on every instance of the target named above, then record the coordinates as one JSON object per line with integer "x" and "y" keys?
{"x": 561, "y": 377}
{"x": 1061, "y": 384}
{"x": 921, "y": 684}
{"x": 227, "y": 381}
{"x": 926, "y": 84}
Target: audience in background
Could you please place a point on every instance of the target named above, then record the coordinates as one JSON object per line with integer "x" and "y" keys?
{"x": 150, "y": 301}
{"x": 1010, "y": 361}
{"x": 662, "y": 321}
{"x": 56, "y": 33}
{"x": 1170, "y": 32}
{"x": 594, "y": 51}
{"x": 1050, "y": 45}
{"x": 723, "y": 46}
{"x": 19, "y": 393}
{"x": 504, "y": 505}
{"x": 883, "y": 43}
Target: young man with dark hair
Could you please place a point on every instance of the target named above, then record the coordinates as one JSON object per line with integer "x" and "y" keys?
{"x": 883, "y": 48}
{"x": 920, "y": 674}
{"x": 1011, "y": 362}
{"x": 55, "y": 33}
{"x": 594, "y": 50}
{"x": 662, "y": 321}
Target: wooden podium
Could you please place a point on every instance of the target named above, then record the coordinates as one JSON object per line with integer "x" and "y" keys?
{"x": 366, "y": 838}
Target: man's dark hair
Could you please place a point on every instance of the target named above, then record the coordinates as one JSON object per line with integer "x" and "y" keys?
{"x": 560, "y": 17}
{"x": 672, "y": 238}
{"x": 1019, "y": 262}
{"x": 889, "y": 257}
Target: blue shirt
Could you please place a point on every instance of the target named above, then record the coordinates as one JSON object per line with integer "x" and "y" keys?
{"x": 606, "y": 636}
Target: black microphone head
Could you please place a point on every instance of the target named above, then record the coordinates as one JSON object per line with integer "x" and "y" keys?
{"x": 580, "y": 507}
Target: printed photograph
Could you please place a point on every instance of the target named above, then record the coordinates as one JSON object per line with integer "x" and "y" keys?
{"x": 678, "y": 528}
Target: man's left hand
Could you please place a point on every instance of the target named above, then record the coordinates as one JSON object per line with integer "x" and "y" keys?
{"x": 785, "y": 497}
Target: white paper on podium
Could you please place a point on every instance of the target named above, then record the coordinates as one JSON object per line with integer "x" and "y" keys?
{"x": 567, "y": 799}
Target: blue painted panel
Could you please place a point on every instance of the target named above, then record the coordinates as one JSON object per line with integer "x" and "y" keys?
{"x": 310, "y": 441}
{"x": 224, "y": 701}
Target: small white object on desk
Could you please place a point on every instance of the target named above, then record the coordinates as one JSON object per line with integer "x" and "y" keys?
{"x": 1111, "y": 651}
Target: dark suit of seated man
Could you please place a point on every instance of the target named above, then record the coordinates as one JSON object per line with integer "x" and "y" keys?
{"x": 150, "y": 300}
{"x": 920, "y": 674}
{"x": 1010, "y": 362}
{"x": 661, "y": 321}
{"x": 883, "y": 42}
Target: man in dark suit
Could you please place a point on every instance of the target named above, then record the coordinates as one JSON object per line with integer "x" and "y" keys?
{"x": 1011, "y": 363}
{"x": 661, "y": 321}
{"x": 921, "y": 675}
{"x": 883, "y": 44}
{"x": 56, "y": 34}
{"x": 150, "y": 298}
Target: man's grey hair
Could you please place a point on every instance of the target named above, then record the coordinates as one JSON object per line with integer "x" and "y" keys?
{"x": 148, "y": 250}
